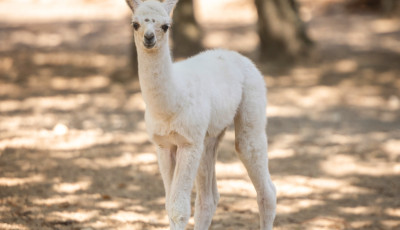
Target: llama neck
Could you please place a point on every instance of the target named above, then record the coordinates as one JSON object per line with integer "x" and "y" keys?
{"x": 157, "y": 82}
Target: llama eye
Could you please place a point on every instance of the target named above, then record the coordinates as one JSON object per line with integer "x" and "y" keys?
{"x": 136, "y": 25}
{"x": 165, "y": 27}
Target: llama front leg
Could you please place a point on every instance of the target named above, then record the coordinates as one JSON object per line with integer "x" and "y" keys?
{"x": 187, "y": 163}
{"x": 207, "y": 195}
{"x": 166, "y": 163}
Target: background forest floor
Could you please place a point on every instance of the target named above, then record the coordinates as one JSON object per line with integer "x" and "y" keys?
{"x": 74, "y": 153}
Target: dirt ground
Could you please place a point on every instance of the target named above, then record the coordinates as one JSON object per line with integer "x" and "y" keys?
{"x": 74, "y": 153}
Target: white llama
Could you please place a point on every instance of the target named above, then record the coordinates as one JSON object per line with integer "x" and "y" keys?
{"x": 189, "y": 104}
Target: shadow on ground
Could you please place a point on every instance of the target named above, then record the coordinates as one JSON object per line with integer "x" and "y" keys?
{"x": 75, "y": 154}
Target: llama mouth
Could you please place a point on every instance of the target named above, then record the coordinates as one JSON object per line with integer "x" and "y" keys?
{"x": 149, "y": 45}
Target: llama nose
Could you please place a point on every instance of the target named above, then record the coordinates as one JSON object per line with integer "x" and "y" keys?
{"x": 149, "y": 37}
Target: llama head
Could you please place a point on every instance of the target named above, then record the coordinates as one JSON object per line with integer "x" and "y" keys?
{"x": 151, "y": 22}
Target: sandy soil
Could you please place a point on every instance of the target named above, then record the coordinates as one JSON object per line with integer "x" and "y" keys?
{"x": 74, "y": 153}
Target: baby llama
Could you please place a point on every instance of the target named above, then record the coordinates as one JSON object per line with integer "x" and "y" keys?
{"x": 189, "y": 104}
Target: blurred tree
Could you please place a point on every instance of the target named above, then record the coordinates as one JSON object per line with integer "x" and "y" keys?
{"x": 186, "y": 34}
{"x": 388, "y": 7}
{"x": 282, "y": 33}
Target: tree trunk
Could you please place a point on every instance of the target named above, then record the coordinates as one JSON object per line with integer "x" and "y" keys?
{"x": 186, "y": 33}
{"x": 387, "y": 7}
{"x": 391, "y": 7}
{"x": 282, "y": 33}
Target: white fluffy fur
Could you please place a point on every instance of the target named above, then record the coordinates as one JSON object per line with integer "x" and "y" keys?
{"x": 189, "y": 106}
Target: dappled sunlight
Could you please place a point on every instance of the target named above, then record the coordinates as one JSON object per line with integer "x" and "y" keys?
{"x": 62, "y": 200}
{"x": 284, "y": 111}
{"x": 61, "y": 137}
{"x": 317, "y": 97}
{"x": 302, "y": 76}
{"x": 134, "y": 217}
{"x": 50, "y": 140}
{"x": 286, "y": 141}
{"x": 218, "y": 21}
{"x": 225, "y": 12}
{"x": 145, "y": 158}
{"x": 289, "y": 207}
{"x": 71, "y": 187}
{"x": 148, "y": 168}
{"x": 60, "y": 103}
{"x": 79, "y": 216}
{"x": 109, "y": 204}
{"x": 234, "y": 169}
{"x": 236, "y": 187}
{"x": 242, "y": 42}
{"x": 342, "y": 165}
{"x": 124, "y": 160}
{"x": 358, "y": 210}
{"x": 74, "y": 152}
{"x": 346, "y": 66}
{"x": 392, "y": 147}
{"x": 6, "y": 226}
{"x": 292, "y": 189}
{"x": 246, "y": 205}
{"x": 393, "y": 212}
{"x": 43, "y": 11}
{"x": 128, "y": 216}
{"x": 42, "y": 40}
{"x": 391, "y": 224}
{"x": 281, "y": 153}
{"x": 88, "y": 83}
{"x": 300, "y": 186}
{"x": 386, "y": 25}
{"x": 9, "y": 181}
{"x": 326, "y": 223}
{"x": 86, "y": 60}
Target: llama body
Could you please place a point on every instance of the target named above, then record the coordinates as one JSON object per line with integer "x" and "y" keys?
{"x": 189, "y": 104}
{"x": 204, "y": 99}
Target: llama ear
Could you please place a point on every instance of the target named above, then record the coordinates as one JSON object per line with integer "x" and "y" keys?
{"x": 169, "y": 5}
{"x": 133, "y": 4}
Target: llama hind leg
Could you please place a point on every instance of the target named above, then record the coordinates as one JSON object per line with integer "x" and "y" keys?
{"x": 207, "y": 195}
{"x": 252, "y": 150}
{"x": 251, "y": 145}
